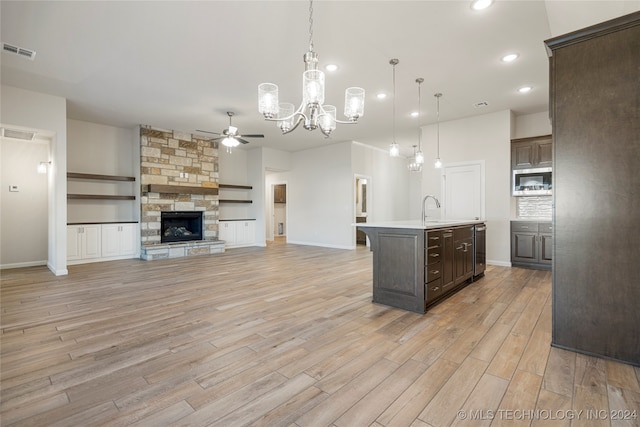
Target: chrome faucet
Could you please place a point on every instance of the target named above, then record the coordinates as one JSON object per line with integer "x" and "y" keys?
{"x": 424, "y": 203}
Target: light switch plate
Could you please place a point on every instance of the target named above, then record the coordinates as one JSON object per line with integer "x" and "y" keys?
{"x": 13, "y": 188}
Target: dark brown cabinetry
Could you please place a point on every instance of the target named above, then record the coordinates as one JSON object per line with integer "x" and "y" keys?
{"x": 536, "y": 152}
{"x": 280, "y": 193}
{"x": 531, "y": 244}
{"x": 595, "y": 110}
{"x": 463, "y": 258}
{"x": 448, "y": 261}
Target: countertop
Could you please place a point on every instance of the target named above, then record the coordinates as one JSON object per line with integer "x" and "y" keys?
{"x": 531, "y": 220}
{"x": 417, "y": 224}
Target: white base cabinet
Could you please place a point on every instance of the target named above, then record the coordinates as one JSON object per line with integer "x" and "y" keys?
{"x": 83, "y": 241}
{"x": 101, "y": 242}
{"x": 237, "y": 233}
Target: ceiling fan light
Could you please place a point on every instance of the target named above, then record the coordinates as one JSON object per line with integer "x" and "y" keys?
{"x": 268, "y": 100}
{"x": 230, "y": 142}
{"x": 354, "y": 103}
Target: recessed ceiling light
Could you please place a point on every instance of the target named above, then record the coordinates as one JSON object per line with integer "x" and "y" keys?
{"x": 481, "y": 4}
{"x": 414, "y": 114}
{"x": 381, "y": 95}
{"x": 331, "y": 67}
{"x": 525, "y": 89}
{"x": 510, "y": 57}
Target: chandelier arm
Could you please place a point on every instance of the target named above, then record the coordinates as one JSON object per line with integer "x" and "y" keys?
{"x": 296, "y": 125}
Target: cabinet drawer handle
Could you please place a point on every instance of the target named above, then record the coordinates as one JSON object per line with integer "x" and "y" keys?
{"x": 434, "y": 271}
{"x": 458, "y": 248}
{"x": 435, "y": 289}
{"x": 434, "y": 255}
{"x": 434, "y": 238}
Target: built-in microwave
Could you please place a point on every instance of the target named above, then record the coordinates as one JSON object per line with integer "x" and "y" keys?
{"x": 532, "y": 182}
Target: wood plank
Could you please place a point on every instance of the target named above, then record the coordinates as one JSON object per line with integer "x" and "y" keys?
{"x": 179, "y": 189}
{"x": 92, "y": 176}
{"x": 192, "y": 341}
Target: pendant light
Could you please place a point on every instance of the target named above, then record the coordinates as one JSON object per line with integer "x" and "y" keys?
{"x": 394, "y": 149}
{"x": 413, "y": 164}
{"x": 438, "y": 163}
{"x": 419, "y": 156}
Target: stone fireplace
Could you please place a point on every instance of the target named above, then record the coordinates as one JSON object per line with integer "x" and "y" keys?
{"x": 178, "y": 174}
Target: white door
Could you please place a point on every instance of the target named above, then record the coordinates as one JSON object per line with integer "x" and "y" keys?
{"x": 463, "y": 190}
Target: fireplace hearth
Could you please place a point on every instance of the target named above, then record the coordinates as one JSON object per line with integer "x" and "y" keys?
{"x": 180, "y": 226}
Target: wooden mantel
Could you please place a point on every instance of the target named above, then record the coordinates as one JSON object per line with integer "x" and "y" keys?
{"x": 179, "y": 189}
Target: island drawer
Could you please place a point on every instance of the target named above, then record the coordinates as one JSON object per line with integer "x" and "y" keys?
{"x": 433, "y": 271}
{"x": 433, "y": 239}
{"x": 545, "y": 227}
{"x": 433, "y": 289}
{"x": 524, "y": 226}
{"x": 433, "y": 255}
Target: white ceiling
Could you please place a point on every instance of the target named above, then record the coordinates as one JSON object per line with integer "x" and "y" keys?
{"x": 181, "y": 65}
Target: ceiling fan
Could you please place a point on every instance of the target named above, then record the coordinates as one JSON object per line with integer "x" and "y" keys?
{"x": 230, "y": 136}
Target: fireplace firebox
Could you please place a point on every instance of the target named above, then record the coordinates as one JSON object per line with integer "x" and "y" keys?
{"x": 180, "y": 226}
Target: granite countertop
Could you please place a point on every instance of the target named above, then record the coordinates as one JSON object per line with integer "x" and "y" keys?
{"x": 417, "y": 224}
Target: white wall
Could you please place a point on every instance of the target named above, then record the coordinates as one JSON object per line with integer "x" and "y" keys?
{"x": 321, "y": 197}
{"x": 23, "y": 214}
{"x": 528, "y": 125}
{"x": 104, "y": 150}
{"x": 232, "y": 169}
{"x": 391, "y": 189}
{"x": 47, "y": 114}
{"x": 486, "y": 137}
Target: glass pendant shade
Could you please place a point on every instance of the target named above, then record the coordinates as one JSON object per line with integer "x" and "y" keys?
{"x": 419, "y": 158}
{"x": 313, "y": 87}
{"x": 286, "y": 110}
{"x": 268, "y": 100}
{"x": 354, "y": 103}
{"x": 438, "y": 163}
{"x": 394, "y": 150}
{"x": 328, "y": 119}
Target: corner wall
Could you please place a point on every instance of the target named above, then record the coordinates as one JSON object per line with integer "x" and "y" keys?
{"x": 47, "y": 114}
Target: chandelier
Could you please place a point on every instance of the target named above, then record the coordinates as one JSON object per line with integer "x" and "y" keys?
{"x": 414, "y": 165}
{"x": 312, "y": 112}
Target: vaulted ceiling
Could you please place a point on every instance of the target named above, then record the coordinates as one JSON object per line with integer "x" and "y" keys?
{"x": 182, "y": 65}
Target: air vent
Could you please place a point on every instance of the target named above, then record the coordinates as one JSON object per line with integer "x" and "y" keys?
{"x": 24, "y": 135}
{"x": 481, "y": 104}
{"x": 20, "y": 51}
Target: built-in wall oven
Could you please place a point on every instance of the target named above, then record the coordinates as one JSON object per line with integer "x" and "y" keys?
{"x": 532, "y": 182}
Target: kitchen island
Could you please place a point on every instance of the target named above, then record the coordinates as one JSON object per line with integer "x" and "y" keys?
{"x": 416, "y": 264}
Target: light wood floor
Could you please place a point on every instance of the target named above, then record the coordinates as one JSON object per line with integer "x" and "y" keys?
{"x": 288, "y": 336}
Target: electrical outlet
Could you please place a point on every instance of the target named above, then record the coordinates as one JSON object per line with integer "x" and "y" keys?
{"x": 13, "y": 188}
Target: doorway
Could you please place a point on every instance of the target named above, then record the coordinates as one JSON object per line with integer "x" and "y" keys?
{"x": 24, "y": 216}
{"x": 362, "y": 189}
{"x": 279, "y": 211}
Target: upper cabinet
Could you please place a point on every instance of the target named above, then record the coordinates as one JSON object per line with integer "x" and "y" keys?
{"x": 531, "y": 152}
{"x": 280, "y": 193}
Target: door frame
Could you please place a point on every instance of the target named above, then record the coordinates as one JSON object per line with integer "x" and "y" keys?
{"x": 368, "y": 194}
{"x": 272, "y": 209}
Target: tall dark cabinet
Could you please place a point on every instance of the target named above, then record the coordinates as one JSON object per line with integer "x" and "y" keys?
{"x": 595, "y": 112}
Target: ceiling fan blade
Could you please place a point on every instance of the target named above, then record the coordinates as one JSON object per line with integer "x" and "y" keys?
{"x": 206, "y": 131}
{"x": 242, "y": 140}
{"x": 257, "y": 135}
